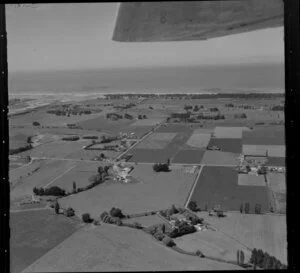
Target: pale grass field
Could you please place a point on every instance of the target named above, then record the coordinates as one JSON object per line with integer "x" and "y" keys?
{"x": 154, "y": 191}
{"x": 111, "y": 248}
{"x": 212, "y": 243}
{"x": 229, "y": 132}
{"x": 46, "y": 119}
{"x": 57, "y": 149}
{"x": 145, "y": 221}
{"x": 198, "y": 140}
{"x": 251, "y": 180}
{"x": 266, "y": 232}
{"x": 272, "y": 150}
{"x": 219, "y": 158}
{"x": 147, "y": 122}
{"x": 277, "y": 182}
{"x": 156, "y": 141}
{"x": 49, "y": 170}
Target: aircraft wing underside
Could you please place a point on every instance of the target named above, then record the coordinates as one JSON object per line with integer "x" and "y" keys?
{"x": 193, "y": 20}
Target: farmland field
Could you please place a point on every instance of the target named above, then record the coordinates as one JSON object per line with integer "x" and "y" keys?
{"x": 46, "y": 119}
{"x": 220, "y": 158}
{"x": 266, "y": 232}
{"x": 114, "y": 127}
{"x": 79, "y": 174}
{"x": 147, "y": 122}
{"x": 277, "y": 183}
{"x": 47, "y": 171}
{"x": 154, "y": 191}
{"x": 276, "y": 161}
{"x": 231, "y": 145}
{"x": 33, "y": 233}
{"x": 188, "y": 156}
{"x": 251, "y": 180}
{"x": 177, "y": 128}
{"x": 111, "y": 248}
{"x": 212, "y": 243}
{"x": 229, "y": 132}
{"x": 145, "y": 221}
{"x": 57, "y": 149}
{"x": 219, "y": 185}
{"x": 17, "y": 174}
{"x": 160, "y": 155}
{"x": 17, "y": 140}
{"x": 198, "y": 140}
{"x": 262, "y": 150}
{"x": 265, "y": 136}
{"x": 156, "y": 141}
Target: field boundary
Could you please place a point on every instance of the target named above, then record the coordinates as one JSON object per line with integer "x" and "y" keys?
{"x": 271, "y": 196}
{"x": 138, "y": 142}
{"x": 59, "y": 176}
{"x": 193, "y": 187}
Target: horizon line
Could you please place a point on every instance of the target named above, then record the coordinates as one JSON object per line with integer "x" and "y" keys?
{"x": 149, "y": 67}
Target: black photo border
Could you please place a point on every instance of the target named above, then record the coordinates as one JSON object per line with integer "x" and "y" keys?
{"x": 292, "y": 116}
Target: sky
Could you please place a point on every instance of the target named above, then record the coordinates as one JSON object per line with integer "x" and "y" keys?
{"x": 79, "y": 36}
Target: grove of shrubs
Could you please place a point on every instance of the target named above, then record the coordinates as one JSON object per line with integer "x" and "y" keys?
{"x": 265, "y": 260}
{"x": 161, "y": 167}
{"x": 53, "y": 191}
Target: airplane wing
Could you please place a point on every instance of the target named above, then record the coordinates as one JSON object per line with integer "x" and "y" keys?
{"x": 193, "y": 20}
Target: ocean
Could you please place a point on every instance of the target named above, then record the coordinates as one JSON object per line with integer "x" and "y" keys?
{"x": 267, "y": 78}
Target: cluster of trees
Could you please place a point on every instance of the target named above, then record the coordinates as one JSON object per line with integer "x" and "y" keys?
{"x": 240, "y": 257}
{"x": 245, "y": 208}
{"x": 102, "y": 173}
{"x": 193, "y": 206}
{"x": 197, "y": 108}
{"x": 90, "y": 137}
{"x": 159, "y": 233}
{"x": 36, "y": 123}
{"x": 128, "y": 116}
{"x": 241, "y": 115}
{"x": 142, "y": 116}
{"x": 188, "y": 107}
{"x": 246, "y": 106}
{"x": 108, "y": 139}
{"x": 86, "y": 218}
{"x": 277, "y": 108}
{"x": 168, "y": 212}
{"x": 114, "y": 116}
{"x": 214, "y": 109}
{"x": 71, "y": 138}
{"x": 265, "y": 260}
{"x": 106, "y": 218}
{"x": 214, "y": 117}
{"x": 229, "y": 105}
{"x": 68, "y": 112}
{"x": 53, "y": 191}
{"x": 20, "y": 149}
{"x": 127, "y": 106}
{"x": 161, "y": 167}
{"x": 181, "y": 229}
{"x": 115, "y": 212}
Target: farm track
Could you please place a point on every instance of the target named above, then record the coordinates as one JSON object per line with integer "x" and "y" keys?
{"x": 59, "y": 176}
{"x": 193, "y": 187}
